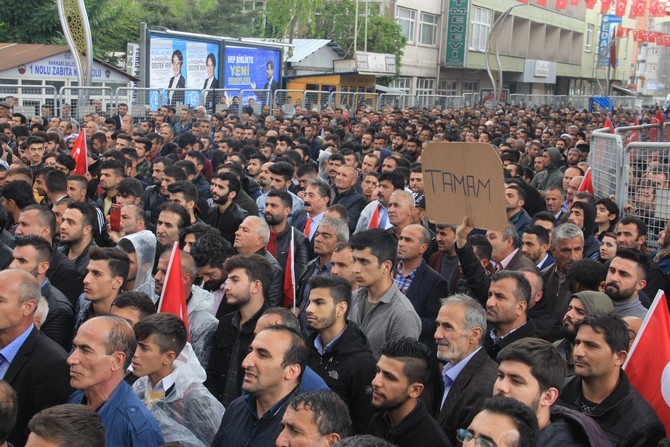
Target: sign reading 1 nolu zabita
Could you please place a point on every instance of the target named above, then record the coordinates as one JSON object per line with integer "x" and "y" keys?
{"x": 464, "y": 179}
{"x": 60, "y": 67}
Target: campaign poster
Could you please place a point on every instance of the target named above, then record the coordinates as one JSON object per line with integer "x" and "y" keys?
{"x": 252, "y": 68}
{"x": 178, "y": 63}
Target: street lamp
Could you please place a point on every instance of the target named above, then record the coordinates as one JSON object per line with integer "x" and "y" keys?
{"x": 498, "y": 22}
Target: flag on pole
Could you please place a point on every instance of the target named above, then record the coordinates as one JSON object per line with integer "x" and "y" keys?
{"x": 587, "y": 183}
{"x": 374, "y": 220}
{"x": 172, "y": 298}
{"x": 609, "y": 125}
{"x": 79, "y": 154}
{"x": 289, "y": 275}
{"x": 648, "y": 363}
{"x": 613, "y": 50}
{"x": 634, "y": 135}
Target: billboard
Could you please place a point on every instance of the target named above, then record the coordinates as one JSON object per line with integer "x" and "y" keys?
{"x": 181, "y": 63}
{"x": 249, "y": 68}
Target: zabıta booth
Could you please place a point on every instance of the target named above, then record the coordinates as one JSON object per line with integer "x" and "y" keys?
{"x": 37, "y": 74}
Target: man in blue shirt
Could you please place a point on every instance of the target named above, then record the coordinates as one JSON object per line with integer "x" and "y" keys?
{"x": 103, "y": 350}
{"x": 273, "y": 369}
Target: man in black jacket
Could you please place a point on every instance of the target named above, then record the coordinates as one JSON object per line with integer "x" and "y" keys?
{"x": 37, "y": 369}
{"x": 224, "y": 214}
{"x": 533, "y": 372}
{"x": 403, "y": 419}
{"x": 339, "y": 350}
{"x": 509, "y": 295}
{"x": 33, "y": 254}
{"x": 600, "y": 388}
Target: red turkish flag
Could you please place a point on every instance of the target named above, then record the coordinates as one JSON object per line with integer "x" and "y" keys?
{"x": 289, "y": 275}
{"x": 619, "y": 8}
{"x": 619, "y": 32}
{"x": 659, "y": 39}
{"x": 586, "y": 184}
{"x": 638, "y": 9}
{"x": 651, "y": 36}
{"x": 173, "y": 299}
{"x": 666, "y": 40}
{"x": 608, "y": 124}
{"x": 634, "y": 135}
{"x": 79, "y": 154}
{"x": 590, "y": 4}
{"x": 574, "y": 2}
{"x": 561, "y": 4}
{"x": 541, "y": 2}
{"x": 648, "y": 363}
{"x": 605, "y": 6}
{"x": 522, "y": 1}
{"x": 641, "y": 35}
{"x": 657, "y": 8}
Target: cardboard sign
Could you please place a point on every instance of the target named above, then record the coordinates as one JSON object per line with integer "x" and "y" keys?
{"x": 464, "y": 179}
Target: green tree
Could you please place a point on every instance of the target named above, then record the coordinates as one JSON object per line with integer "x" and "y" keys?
{"x": 214, "y": 17}
{"x": 319, "y": 19}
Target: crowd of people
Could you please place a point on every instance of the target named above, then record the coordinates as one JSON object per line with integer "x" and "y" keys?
{"x": 324, "y": 307}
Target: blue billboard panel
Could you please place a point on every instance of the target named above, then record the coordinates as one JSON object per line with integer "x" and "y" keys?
{"x": 175, "y": 62}
{"x": 250, "y": 68}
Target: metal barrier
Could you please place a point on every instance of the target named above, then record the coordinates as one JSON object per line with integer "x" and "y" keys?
{"x": 283, "y": 97}
{"x": 29, "y": 98}
{"x": 138, "y": 100}
{"x": 605, "y": 160}
{"x": 176, "y": 97}
{"x": 471, "y": 99}
{"x": 392, "y": 100}
{"x": 86, "y": 100}
{"x": 644, "y": 132}
{"x": 644, "y": 179}
{"x": 371, "y": 100}
{"x": 342, "y": 99}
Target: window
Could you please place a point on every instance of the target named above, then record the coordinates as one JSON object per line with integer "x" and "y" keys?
{"x": 470, "y": 86}
{"x": 406, "y": 19}
{"x": 652, "y": 67}
{"x": 428, "y": 29}
{"x": 588, "y": 47}
{"x": 448, "y": 88}
{"x": 425, "y": 86}
{"x": 481, "y": 27}
{"x": 402, "y": 84}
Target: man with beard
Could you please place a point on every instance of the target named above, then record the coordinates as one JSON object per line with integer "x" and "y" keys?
{"x": 375, "y": 213}
{"x": 286, "y": 243}
{"x": 532, "y": 372}
{"x": 76, "y": 234}
{"x": 568, "y": 244}
{"x": 224, "y": 214}
{"x": 509, "y": 296}
{"x": 248, "y": 281}
{"x": 582, "y": 304}
{"x": 625, "y": 278}
{"x": 339, "y": 350}
{"x": 172, "y": 219}
{"x": 111, "y": 173}
{"x": 600, "y": 388}
{"x": 263, "y": 177}
{"x": 33, "y": 254}
{"x": 317, "y": 199}
{"x": 209, "y": 252}
{"x": 403, "y": 419}
{"x": 153, "y": 197}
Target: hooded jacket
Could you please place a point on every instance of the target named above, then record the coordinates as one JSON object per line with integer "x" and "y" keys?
{"x": 145, "y": 249}
{"x": 552, "y": 176}
{"x": 591, "y": 244}
{"x": 348, "y": 368}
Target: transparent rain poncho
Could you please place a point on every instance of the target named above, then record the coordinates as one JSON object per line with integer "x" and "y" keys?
{"x": 189, "y": 413}
{"x": 145, "y": 247}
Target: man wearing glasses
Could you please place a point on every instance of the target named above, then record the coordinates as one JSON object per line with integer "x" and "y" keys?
{"x": 502, "y": 422}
